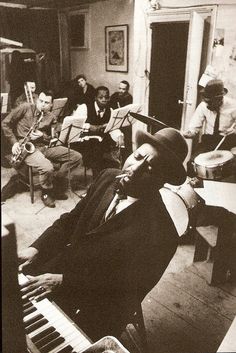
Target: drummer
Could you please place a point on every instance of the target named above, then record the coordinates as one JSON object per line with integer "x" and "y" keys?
{"x": 215, "y": 117}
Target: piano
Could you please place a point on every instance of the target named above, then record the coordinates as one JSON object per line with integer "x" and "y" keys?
{"x": 38, "y": 326}
{"x": 30, "y": 326}
{"x": 49, "y": 329}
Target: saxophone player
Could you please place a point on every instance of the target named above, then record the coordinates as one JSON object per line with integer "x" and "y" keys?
{"x": 18, "y": 124}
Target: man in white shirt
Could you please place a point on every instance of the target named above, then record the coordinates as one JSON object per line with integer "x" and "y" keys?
{"x": 100, "y": 150}
{"x": 214, "y": 118}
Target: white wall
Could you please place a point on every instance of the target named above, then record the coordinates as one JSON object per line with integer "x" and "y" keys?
{"x": 223, "y": 60}
{"x": 91, "y": 62}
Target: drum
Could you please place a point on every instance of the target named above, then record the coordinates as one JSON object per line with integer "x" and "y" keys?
{"x": 214, "y": 165}
{"x": 179, "y": 203}
{"x": 233, "y": 150}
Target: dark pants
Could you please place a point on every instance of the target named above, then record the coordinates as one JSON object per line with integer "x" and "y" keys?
{"x": 98, "y": 155}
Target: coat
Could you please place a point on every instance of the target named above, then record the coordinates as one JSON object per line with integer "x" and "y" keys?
{"x": 109, "y": 265}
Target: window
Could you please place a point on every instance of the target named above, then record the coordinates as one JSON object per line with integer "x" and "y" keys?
{"x": 78, "y": 25}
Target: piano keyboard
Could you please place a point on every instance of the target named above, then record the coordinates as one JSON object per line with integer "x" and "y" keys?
{"x": 49, "y": 330}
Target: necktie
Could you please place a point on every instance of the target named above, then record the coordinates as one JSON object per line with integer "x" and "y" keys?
{"x": 112, "y": 209}
{"x": 217, "y": 122}
{"x": 100, "y": 113}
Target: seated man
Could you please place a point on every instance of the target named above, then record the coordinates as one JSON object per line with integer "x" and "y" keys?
{"x": 31, "y": 87}
{"x": 86, "y": 92}
{"x": 217, "y": 114}
{"x": 120, "y": 99}
{"x": 16, "y": 126}
{"x": 99, "y": 149}
{"x": 105, "y": 256}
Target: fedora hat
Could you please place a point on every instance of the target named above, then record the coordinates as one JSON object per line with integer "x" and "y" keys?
{"x": 174, "y": 148}
{"x": 214, "y": 89}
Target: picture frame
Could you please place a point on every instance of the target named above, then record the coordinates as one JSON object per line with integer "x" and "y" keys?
{"x": 116, "y": 48}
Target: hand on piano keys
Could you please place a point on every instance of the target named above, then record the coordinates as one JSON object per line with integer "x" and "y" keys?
{"x": 48, "y": 329}
{"x": 38, "y": 287}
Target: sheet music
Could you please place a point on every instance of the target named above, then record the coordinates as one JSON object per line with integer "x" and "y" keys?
{"x": 120, "y": 117}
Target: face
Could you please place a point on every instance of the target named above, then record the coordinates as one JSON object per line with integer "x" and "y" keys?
{"x": 44, "y": 103}
{"x": 122, "y": 89}
{"x": 82, "y": 82}
{"x": 32, "y": 86}
{"x": 102, "y": 99}
{"x": 144, "y": 172}
{"x": 215, "y": 103}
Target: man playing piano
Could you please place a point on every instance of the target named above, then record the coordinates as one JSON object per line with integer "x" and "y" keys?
{"x": 107, "y": 253}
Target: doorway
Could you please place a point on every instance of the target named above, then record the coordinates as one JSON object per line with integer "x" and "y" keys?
{"x": 167, "y": 71}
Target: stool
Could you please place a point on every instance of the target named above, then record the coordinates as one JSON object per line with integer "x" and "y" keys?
{"x": 138, "y": 323}
{"x": 210, "y": 249}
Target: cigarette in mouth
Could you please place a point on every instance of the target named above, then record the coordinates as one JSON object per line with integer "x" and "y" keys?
{"x": 121, "y": 176}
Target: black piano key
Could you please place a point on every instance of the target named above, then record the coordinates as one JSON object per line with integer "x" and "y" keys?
{"x": 26, "y": 305}
{"x": 47, "y": 339}
{"x": 67, "y": 349}
{"x": 25, "y": 300}
{"x": 36, "y": 325}
{"x": 42, "y": 334}
{"x": 29, "y": 310}
{"x": 53, "y": 344}
{"x": 33, "y": 319}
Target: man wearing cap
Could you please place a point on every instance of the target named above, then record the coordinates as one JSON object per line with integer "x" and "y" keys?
{"x": 107, "y": 253}
{"x": 216, "y": 115}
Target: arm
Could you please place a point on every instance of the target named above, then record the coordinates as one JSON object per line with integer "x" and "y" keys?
{"x": 196, "y": 122}
{"x": 10, "y": 123}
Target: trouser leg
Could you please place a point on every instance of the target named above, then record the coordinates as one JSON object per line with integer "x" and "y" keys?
{"x": 67, "y": 158}
{"x": 44, "y": 167}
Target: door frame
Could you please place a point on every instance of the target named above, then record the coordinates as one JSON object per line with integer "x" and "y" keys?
{"x": 177, "y": 15}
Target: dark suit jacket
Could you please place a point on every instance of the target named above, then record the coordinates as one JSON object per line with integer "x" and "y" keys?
{"x": 109, "y": 265}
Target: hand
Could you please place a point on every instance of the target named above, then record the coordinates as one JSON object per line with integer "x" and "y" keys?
{"x": 16, "y": 148}
{"x": 230, "y": 130}
{"x": 189, "y": 134}
{"x": 27, "y": 256}
{"x": 38, "y": 287}
{"x": 36, "y": 135}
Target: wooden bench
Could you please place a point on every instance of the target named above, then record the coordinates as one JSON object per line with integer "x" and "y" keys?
{"x": 210, "y": 250}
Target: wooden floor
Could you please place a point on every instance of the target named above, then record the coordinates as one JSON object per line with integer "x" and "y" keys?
{"x": 183, "y": 314}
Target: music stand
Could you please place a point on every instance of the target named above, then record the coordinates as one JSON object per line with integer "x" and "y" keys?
{"x": 121, "y": 117}
{"x": 58, "y": 106}
{"x": 68, "y": 142}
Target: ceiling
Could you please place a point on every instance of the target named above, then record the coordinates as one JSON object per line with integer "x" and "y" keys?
{"x": 50, "y": 4}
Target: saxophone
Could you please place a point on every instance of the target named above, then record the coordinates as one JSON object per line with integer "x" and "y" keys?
{"x": 26, "y": 147}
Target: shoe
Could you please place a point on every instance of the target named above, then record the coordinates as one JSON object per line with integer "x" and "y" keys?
{"x": 60, "y": 195}
{"x": 48, "y": 200}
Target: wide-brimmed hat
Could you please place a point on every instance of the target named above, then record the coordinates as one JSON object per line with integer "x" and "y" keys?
{"x": 174, "y": 148}
{"x": 214, "y": 89}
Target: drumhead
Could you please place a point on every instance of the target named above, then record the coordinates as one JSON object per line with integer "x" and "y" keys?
{"x": 176, "y": 209}
{"x": 213, "y": 158}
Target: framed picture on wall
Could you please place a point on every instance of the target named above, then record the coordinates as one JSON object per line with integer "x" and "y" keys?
{"x": 116, "y": 42}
